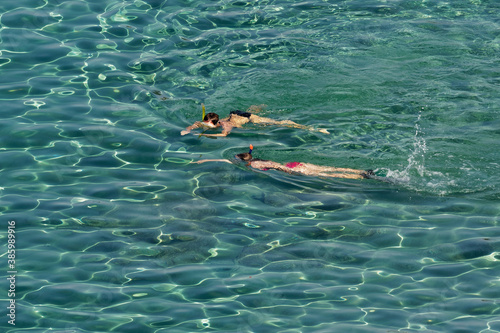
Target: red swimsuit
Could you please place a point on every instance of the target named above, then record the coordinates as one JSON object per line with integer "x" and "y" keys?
{"x": 289, "y": 165}
{"x": 292, "y": 165}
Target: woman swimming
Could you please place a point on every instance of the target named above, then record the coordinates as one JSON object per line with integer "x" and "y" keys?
{"x": 238, "y": 118}
{"x": 210, "y": 120}
{"x": 307, "y": 169}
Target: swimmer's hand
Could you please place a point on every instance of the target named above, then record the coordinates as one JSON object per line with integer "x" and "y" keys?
{"x": 322, "y": 130}
{"x": 184, "y": 132}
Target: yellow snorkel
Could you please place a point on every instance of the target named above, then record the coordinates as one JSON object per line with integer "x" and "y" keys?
{"x": 202, "y": 117}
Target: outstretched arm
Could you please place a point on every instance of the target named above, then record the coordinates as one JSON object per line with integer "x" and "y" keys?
{"x": 212, "y": 160}
{"x": 189, "y": 128}
{"x": 226, "y": 129}
{"x": 219, "y": 134}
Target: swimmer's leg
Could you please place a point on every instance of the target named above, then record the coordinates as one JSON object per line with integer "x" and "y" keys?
{"x": 286, "y": 123}
{"x": 334, "y": 169}
{"x": 360, "y": 174}
{"x": 349, "y": 170}
{"x": 369, "y": 174}
{"x": 289, "y": 123}
{"x": 341, "y": 175}
{"x": 262, "y": 120}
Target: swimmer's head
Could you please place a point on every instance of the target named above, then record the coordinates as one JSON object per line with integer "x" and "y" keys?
{"x": 244, "y": 156}
{"x": 211, "y": 119}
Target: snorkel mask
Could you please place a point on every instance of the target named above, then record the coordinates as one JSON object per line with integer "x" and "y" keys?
{"x": 209, "y": 124}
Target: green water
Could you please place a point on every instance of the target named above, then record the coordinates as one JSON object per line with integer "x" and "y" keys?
{"x": 116, "y": 231}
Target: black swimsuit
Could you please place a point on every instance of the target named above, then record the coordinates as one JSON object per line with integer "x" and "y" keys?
{"x": 241, "y": 113}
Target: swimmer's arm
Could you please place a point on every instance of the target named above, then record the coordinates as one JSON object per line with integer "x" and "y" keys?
{"x": 226, "y": 129}
{"x": 212, "y": 160}
{"x": 219, "y": 134}
{"x": 192, "y": 127}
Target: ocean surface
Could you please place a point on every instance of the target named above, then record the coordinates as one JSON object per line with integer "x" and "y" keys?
{"x": 107, "y": 225}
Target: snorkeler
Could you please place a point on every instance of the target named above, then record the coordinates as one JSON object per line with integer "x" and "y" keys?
{"x": 307, "y": 169}
{"x": 238, "y": 118}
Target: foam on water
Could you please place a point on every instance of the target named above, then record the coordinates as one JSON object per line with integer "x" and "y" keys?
{"x": 415, "y": 171}
{"x": 419, "y": 177}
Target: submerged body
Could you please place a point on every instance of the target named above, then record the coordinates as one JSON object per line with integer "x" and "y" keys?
{"x": 307, "y": 169}
{"x": 239, "y": 118}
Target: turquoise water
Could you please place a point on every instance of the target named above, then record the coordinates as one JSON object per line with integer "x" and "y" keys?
{"x": 116, "y": 231}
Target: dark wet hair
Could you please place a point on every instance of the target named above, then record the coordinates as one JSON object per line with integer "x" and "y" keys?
{"x": 245, "y": 156}
{"x": 212, "y": 117}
